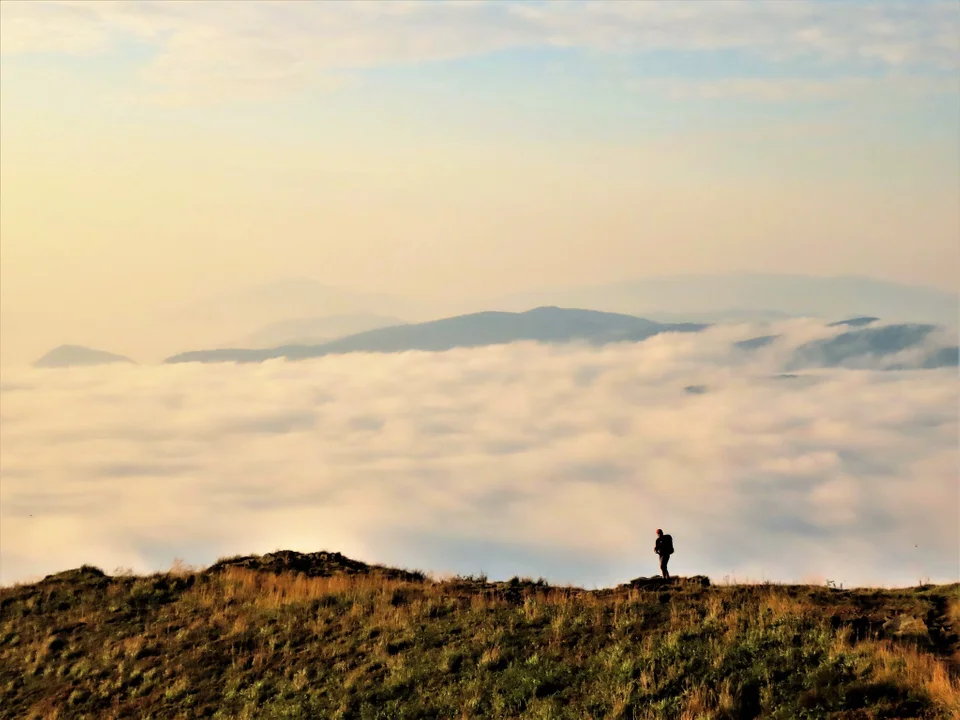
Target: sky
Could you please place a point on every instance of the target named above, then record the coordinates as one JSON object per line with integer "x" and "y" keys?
{"x": 542, "y": 461}
{"x": 157, "y": 154}
{"x": 181, "y": 164}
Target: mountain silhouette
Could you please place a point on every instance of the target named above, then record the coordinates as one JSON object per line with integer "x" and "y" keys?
{"x": 876, "y": 342}
{"x": 78, "y": 356}
{"x": 756, "y": 343}
{"x": 854, "y": 322}
{"x": 670, "y": 298}
{"x": 858, "y": 344}
{"x": 543, "y": 324}
{"x": 560, "y": 325}
{"x": 316, "y": 330}
{"x": 942, "y": 357}
{"x": 717, "y": 317}
{"x": 235, "y": 319}
{"x": 269, "y": 315}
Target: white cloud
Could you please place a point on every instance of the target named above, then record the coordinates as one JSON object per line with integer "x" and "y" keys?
{"x": 529, "y": 459}
{"x": 254, "y": 48}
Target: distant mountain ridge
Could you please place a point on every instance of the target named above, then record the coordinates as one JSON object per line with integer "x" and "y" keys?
{"x": 854, "y": 322}
{"x": 543, "y": 324}
{"x": 865, "y": 341}
{"x": 316, "y": 330}
{"x": 755, "y": 295}
{"x": 79, "y": 356}
{"x": 862, "y": 342}
{"x": 234, "y": 319}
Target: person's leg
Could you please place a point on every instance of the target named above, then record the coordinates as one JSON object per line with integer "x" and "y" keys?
{"x": 664, "y": 559}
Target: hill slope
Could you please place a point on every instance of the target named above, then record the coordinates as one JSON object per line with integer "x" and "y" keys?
{"x": 546, "y": 324}
{"x": 342, "y": 639}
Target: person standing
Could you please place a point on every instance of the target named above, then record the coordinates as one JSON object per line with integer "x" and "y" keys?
{"x": 663, "y": 548}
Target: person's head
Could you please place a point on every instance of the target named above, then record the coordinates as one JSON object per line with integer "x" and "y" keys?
{"x": 659, "y": 532}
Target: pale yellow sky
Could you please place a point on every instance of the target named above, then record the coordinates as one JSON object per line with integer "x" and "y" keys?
{"x": 448, "y": 180}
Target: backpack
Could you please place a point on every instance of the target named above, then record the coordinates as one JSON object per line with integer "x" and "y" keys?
{"x": 667, "y": 545}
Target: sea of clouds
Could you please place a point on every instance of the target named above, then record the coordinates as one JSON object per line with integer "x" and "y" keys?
{"x": 552, "y": 461}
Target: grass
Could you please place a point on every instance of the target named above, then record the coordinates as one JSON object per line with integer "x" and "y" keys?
{"x": 244, "y": 642}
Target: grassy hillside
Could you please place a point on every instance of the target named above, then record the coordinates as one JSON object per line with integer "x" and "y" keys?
{"x": 318, "y": 636}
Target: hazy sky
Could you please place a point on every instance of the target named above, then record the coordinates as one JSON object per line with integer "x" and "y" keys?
{"x": 158, "y": 153}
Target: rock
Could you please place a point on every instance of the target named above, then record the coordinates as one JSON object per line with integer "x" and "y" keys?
{"x": 907, "y": 626}
{"x": 87, "y": 574}
{"x": 318, "y": 564}
{"x": 660, "y": 583}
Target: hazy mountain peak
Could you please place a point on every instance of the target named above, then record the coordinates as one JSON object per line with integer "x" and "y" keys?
{"x": 77, "y": 355}
{"x": 315, "y": 330}
{"x": 755, "y": 296}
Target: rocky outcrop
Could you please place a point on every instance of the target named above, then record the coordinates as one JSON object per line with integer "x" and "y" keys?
{"x": 317, "y": 564}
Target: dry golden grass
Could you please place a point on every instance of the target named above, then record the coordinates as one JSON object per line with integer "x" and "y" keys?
{"x": 367, "y": 592}
{"x": 263, "y": 644}
{"x": 726, "y": 701}
{"x": 180, "y": 568}
{"x": 953, "y": 610}
{"x": 899, "y": 663}
{"x": 491, "y": 656}
{"x": 713, "y": 607}
{"x": 781, "y": 604}
{"x": 701, "y": 702}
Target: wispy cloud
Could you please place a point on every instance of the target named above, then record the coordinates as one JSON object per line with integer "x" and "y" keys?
{"x": 525, "y": 458}
{"x": 252, "y": 48}
{"x": 795, "y": 89}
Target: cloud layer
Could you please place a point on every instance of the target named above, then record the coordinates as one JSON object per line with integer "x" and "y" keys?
{"x": 552, "y": 461}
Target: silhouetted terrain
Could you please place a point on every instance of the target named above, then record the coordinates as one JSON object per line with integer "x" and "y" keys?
{"x": 268, "y": 315}
{"x": 875, "y": 341}
{"x": 854, "y": 322}
{"x": 318, "y": 564}
{"x": 282, "y": 312}
{"x": 547, "y": 324}
{"x": 289, "y": 635}
{"x": 943, "y": 357}
{"x": 76, "y": 355}
{"x": 865, "y": 344}
{"x": 698, "y": 296}
{"x": 315, "y": 330}
{"x": 713, "y": 317}
{"x": 757, "y": 342}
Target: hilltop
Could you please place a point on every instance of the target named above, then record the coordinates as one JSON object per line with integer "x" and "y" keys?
{"x": 321, "y": 635}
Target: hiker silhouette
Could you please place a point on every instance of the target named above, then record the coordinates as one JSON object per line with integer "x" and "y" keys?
{"x": 663, "y": 548}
